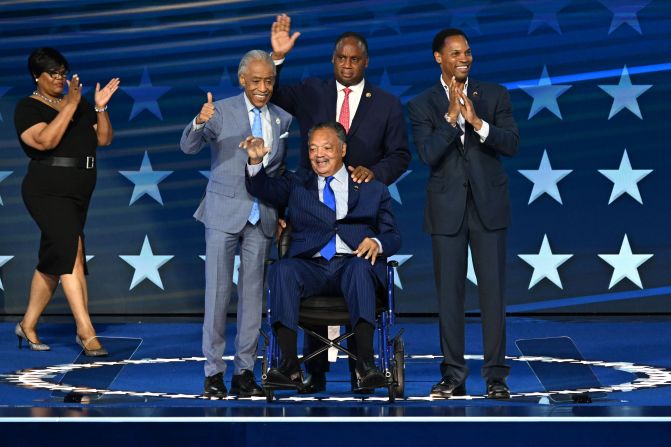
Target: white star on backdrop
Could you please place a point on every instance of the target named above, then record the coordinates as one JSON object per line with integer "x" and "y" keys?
{"x": 146, "y": 180}
{"x": 393, "y": 188}
{"x": 545, "y": 264}
{"x": 544, "y": 94}
{"x": 145, "y": 96}
{"x": 146, "y": 265}
{"x": 4, "y": 175}
{"x": 625, "y": 95}
{"x": 625, "y": 179}
{"x": 3, "y": 261}
{"x": 624, "y": 11}
{"x": 545, "y": 179}
{"x": 236, "y": 267}
{"x": 401, "y": 259}
{"x": 625, "y": 264}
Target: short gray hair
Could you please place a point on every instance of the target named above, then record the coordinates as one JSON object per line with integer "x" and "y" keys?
{"x": 255, "y": 55}
{"x": 334, "y": 126}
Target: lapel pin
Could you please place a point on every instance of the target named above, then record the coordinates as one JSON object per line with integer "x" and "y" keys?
{"x": 475, "y": 94}
{"x": 356, "y": 187}
{"x": 277, "y": 120}
{"x": 368, "y": 94}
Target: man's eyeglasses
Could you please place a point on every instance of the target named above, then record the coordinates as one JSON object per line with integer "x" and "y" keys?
{"x": 57, "y": 74}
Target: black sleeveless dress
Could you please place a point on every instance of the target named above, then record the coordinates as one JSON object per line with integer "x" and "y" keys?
{"x": 58, "y": 197}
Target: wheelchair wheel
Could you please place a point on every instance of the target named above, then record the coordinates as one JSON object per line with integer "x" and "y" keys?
{"x": 399, "y": 367}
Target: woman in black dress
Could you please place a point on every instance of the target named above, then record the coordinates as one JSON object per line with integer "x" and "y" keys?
{"x": 60, "y": 132}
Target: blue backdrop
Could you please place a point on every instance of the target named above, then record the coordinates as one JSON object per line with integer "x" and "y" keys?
{"x": 591, "y": 94}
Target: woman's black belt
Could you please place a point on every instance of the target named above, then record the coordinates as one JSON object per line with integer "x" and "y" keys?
{"x": 68, "y": 162}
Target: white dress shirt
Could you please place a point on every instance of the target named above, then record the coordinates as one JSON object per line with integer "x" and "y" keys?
{"x": 354, "y": 99}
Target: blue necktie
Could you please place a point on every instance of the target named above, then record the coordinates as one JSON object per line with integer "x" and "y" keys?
{"x": 329, "y": 250}
{"x": 257, "y": 132}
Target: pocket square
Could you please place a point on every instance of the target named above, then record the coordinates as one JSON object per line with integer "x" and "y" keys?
{"x": 284, "y": 135}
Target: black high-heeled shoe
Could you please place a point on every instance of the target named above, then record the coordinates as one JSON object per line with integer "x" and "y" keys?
{"x": 18, "y": 330}
{"x": 100, "y": 352}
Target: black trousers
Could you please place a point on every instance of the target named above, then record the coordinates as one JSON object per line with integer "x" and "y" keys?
{"x": 450, "y": 257}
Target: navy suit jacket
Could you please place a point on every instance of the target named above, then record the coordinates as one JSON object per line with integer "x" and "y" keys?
{"x": 369, "y": 212}
{"x": 377, "y": 138}
{"x": 455, "y": 166}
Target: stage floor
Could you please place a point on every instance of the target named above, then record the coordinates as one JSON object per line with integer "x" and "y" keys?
{"x": 629, "y": 357}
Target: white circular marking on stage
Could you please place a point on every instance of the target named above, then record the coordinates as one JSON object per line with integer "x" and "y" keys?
{"x": 36, "y": 378}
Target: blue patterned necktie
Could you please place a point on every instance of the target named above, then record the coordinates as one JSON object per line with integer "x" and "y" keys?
{"x": 329, "y": 250}
{"x": 257, "y": 132}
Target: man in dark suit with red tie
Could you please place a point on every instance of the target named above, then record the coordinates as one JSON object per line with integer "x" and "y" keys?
{"x": 377, "y": 142}
{"x": 461, "y": 128}
{"x": 339, "y": 229}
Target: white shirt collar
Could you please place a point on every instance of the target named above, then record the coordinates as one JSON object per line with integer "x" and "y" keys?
{"x": 355, "y": 88}
{"x": 340, "y": 175}
{"x": 251, "y": 106}
{"x": 447, "y": 87}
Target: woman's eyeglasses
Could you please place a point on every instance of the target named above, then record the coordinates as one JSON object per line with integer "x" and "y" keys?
{"x": 57, "y": 74}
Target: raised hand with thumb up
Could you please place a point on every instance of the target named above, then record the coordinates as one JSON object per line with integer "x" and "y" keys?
{"x": 207, "y": 111}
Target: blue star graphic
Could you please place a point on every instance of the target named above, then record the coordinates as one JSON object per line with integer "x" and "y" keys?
{"x": 625, "y": 94}
{"x": 386, "y": 16}
{"x": 393, "y": 188}
{"x": 145, "y": 96}
{"x": 625, "y": 264}
{"x": 545, "y": 179}
{"x": 3, "y": 261}
{"x": 205, "y": 174}
{"x": 624, "y": 11}
{"x": 225, "y": 88}
{"x": 146, "y": 180}
{"x": 401, "y": 259}
{"x": 464, "y": 13}
{"x": 625, "y": 179}
{"x": 545, "y": 264}
{"x": 545, "y": 94}
{"x": 146, "y": 265}
{"x": 236, "y": 267}
{"x": 4, "y": 175}
{"x": 3, "y": 90}
{"x": 396, "y": 90}
{"x": 544, "y": 13}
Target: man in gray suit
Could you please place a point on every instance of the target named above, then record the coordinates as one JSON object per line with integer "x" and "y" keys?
{"x": 232, "y": 217}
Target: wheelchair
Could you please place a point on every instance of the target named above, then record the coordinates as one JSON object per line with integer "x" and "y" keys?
{"x": 323, "y": 310}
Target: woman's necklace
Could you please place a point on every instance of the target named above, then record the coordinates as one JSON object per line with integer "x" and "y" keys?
{"x": 47, "y": 99}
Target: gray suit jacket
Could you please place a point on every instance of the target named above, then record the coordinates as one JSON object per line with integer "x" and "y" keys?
{"x": 227, "y": 203}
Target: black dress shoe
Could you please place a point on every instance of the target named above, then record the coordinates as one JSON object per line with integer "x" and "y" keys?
{"x": 214, "y": 386}
{"x": 354, "y": 380}
{"x": 498, "y": 389}
{"x": 288, "y": 375}
{"x": 448, "y": 387}
{"x": 369, "y": 376}
{"x": 314, "y": 383}
{"x": 244, "y": 385}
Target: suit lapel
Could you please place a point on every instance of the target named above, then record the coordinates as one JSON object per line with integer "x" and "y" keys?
{"x": 352, "y": 194}
{"x": 362, "y": 109}
{"x": 241, "y": 116}
{"x": 275, "y": 125}
{"x": 331, "y": 100}
{"x": 473, "y": 94}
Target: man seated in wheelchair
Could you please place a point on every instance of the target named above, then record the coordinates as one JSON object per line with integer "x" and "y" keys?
{"x": 340, "y": 229}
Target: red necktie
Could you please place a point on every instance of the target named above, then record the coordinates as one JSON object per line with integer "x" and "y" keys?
{"x": 344, "y": 110}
